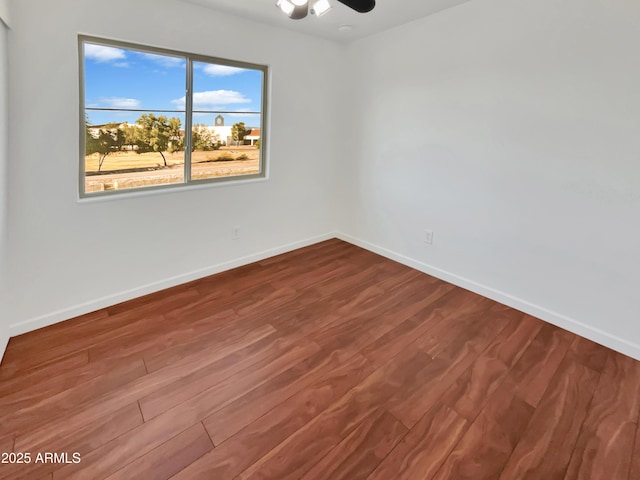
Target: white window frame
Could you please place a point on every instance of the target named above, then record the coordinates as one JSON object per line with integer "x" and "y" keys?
{"x": 188, "y": 183}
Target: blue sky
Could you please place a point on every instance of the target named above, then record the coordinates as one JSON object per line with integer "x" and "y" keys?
{"x": 127, "y": 79}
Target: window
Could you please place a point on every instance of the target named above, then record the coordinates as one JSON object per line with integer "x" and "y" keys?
{"x": 155, "y": 118}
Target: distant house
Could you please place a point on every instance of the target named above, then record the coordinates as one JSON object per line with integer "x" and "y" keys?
{"x": 94, "y": 130}
{"x": 224, "y": 132}
{"x": 252, "y": 136}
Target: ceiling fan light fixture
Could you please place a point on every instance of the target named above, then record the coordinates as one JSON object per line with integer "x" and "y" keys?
{"x": 292, "y": 9}
{"x": 297, "y": 9}
{"x": 320, "y": 7}
{"x": 286, "y": 6}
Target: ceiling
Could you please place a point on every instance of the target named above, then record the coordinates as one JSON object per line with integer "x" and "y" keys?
{"x": 387, "y": 14}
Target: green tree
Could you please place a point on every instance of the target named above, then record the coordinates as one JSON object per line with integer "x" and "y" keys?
{"x": 176, "y": 135}
{"x": 130, "y": 135}
{"x": 154, "y": 134}
{"x": 238, "y": 132}
{"x": 89, "y": 141}
{"x": 203, "y": 139}
{"x": 108, "y": 140}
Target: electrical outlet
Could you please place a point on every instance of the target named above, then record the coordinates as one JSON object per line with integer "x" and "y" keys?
{"x": 235, "y": 233}
{"x": 428, "y": 237}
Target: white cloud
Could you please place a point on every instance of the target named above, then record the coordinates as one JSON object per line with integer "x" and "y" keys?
{"x": 116, "y": 102}
{"x": 212, "y": 99}
{"x": 101, "y": 54}
{"x": 164, "y": 60}
{"x": 221, "y": 70}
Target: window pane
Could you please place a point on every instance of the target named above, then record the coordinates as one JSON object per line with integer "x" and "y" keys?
{"x": 135, "y": 115}
{"x": 121, "y": 155}
{"x": 217, "y": 153}
{"x": 137, "y": 103}
{"x": 227, "y": 121}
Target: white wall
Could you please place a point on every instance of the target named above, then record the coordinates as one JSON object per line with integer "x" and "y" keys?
{"x": 4, "y": 140}
{"x": 518, "y": 127}
{"x": 69, "y": 257}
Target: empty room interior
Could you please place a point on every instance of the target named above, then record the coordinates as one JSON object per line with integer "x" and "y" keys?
{"x": 324, "y": 239}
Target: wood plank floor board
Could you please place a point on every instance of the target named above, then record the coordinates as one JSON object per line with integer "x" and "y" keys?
{"x": 143, "y": 342}
{"x": 361, "y": 303}
{"x": 259, "y": 437}
{"x": 68, "y": 401}
{"x": 161, "y": 428}
{"x": 514, "y": 340}
{"x": 133, "y": 391}
{"x": 425, "y": 448}
{"x": 215, "y": 345}
{"x": 82, "y": 431}
{"x": 265, "y": 351}
{"x": 634, "y": 470}
{"x": 455, "y": 354}
{"x": 402, "y": 305}
{"x": 605, "y": 445}
{"x": 11, "y": 371}
{"x": 53, "y": 333}
{"x": 485, "y": 448}
{"x": 327, "y": 312}
{"x": 6, "y": 443}
{"x": 589, "y": 353}
{"x": 300, "y": 451}
{"x": 127, "y": 448}
{"x": 230, "y": 419}
{"x": 222, "y": 391}
{"x": 313, "y": 274}
{"x": 544, "y": 451}
{"x": 33, "y": 393}
{"x": 357, "y": 280}
{"x": 471, "y": 308}
{"x": 321, "y": 251}
{"x": 25, "y": 379}
{"x": 83, "y": 439}
{"x": 475, "y": 386}
{"x": 328, "y": 362}
{"x": 533, "y": 371}
{"x": 411, "y": 403}
{"x": 361, "y": 451}
{"x": 355, "y": 332}
{"x": 93, "y": 333}
{"x": 259, "y": 303}
{"x": 317, "y": 268}
{"x": 166, "y": 298}
{"x": 395, "y": 340}
{"x": 169, "y": 458}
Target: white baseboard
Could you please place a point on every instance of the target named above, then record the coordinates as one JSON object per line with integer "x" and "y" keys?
{"x": 594, "y": 334}
{"x": 109, "y": 300}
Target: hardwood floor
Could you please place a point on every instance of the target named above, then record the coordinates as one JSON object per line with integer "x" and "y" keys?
{"x": 328, "y": 362}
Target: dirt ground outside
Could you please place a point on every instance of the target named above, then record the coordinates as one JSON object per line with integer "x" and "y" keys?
{"x": 124, "y": 170}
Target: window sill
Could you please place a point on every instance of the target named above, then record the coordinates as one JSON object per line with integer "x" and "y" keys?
{"x": 166, "y": 189}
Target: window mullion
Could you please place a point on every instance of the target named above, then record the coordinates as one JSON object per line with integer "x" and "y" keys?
{"x": 188, "y": 121}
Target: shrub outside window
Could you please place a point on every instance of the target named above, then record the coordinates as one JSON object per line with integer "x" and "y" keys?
{"x": 155, "y": 118}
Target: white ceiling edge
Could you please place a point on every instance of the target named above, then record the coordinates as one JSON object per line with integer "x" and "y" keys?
{"x": 387, "y": 14}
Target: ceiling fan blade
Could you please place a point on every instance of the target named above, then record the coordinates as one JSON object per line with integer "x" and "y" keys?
{"x": 362, "y": 6}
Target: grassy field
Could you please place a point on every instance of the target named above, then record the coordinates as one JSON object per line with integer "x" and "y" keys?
{"x": 132, "y": 160}
{"x": 124, "y": 170}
